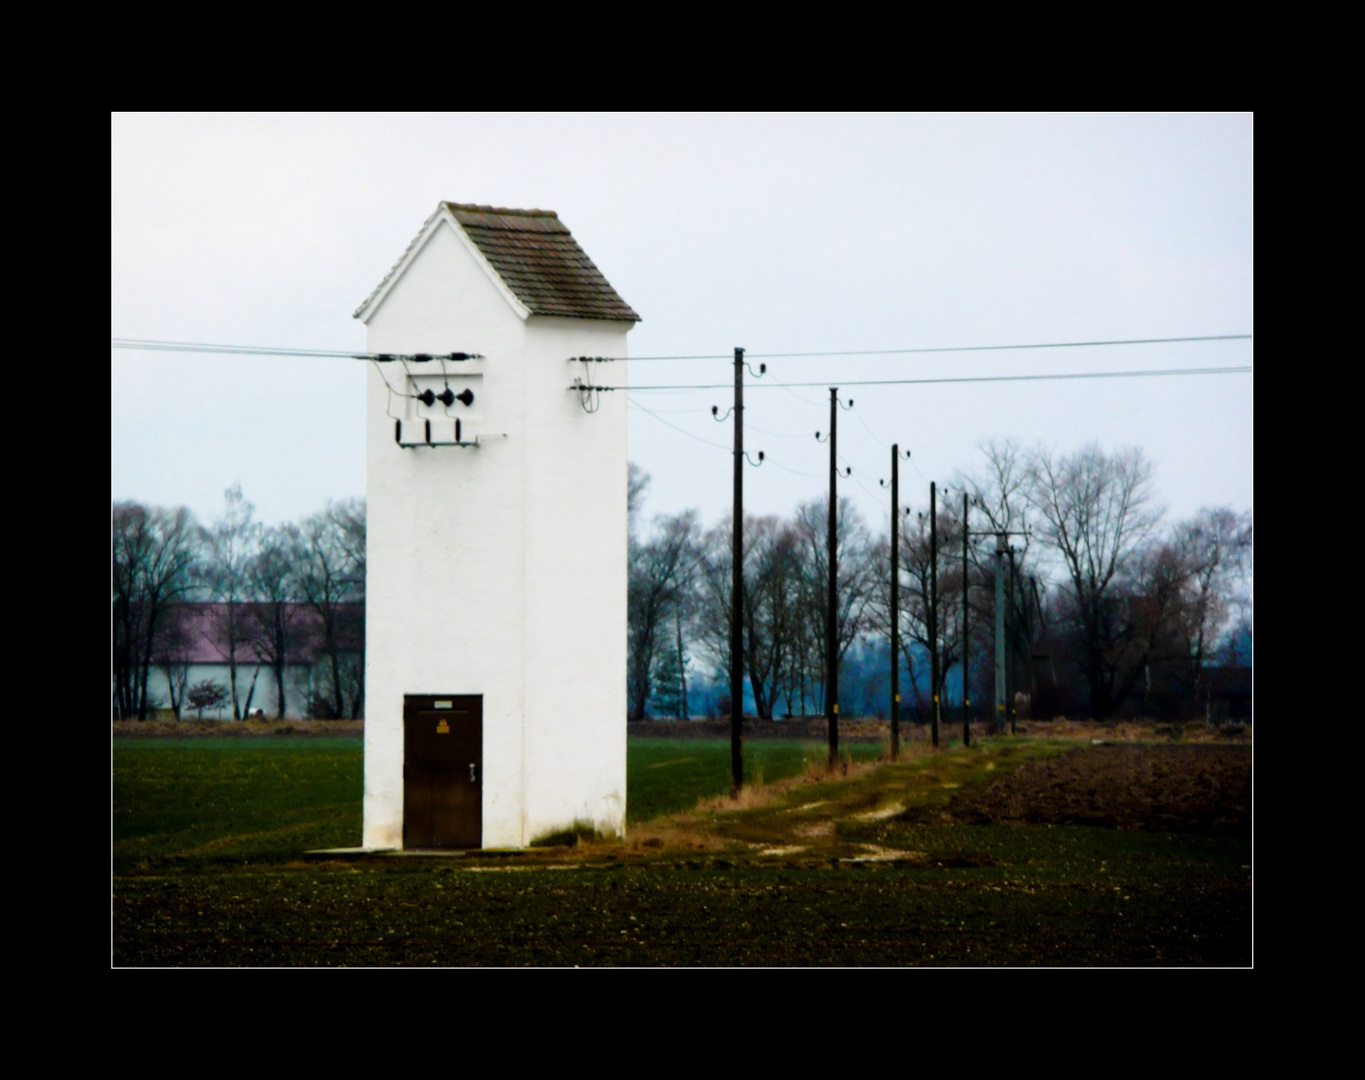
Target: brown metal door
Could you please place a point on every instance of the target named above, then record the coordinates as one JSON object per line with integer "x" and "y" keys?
{"x": 442, "y": 770}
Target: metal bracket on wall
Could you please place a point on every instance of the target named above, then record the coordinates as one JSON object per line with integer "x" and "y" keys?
{"x": 589, "y": 396}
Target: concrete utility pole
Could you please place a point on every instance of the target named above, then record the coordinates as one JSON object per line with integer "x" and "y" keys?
{"x": 1002, "y": 548}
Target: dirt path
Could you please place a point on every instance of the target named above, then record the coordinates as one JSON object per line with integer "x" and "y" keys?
{"x": 861, "y": 814}
{"x": 819, "y": 816}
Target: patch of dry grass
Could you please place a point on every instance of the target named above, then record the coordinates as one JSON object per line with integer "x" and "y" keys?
{"x": 1121, "y": 731}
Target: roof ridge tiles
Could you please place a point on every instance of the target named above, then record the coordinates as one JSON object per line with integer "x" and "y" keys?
{"x": 536, "y": 257}
{"x": 478, "y": 208}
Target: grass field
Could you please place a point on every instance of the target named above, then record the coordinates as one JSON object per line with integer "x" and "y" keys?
{"x": 200, "y": 802}
{"x": 664, "y": 776}
{"x": 960, "y": 857}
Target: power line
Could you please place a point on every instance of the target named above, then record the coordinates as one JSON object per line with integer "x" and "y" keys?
{"x": 784, "y": 468}
{"x": 767, "y": 461}
{"x": 692, "y": 410}
{"x": 997, "y": 348}
{"x": 151, "y": 345}
{"x": 868, "y": 428}
{"x": 793, "y": 393}
{"x": 145, "y": 345}
{"x": 854, "y": 476}
{"x": 775, "y": 434}
{"x": 1233, "y": 370}
{"x": 142, "y": 345}
{"x": 675, "y": 427}
{"x": 946, "y": 348}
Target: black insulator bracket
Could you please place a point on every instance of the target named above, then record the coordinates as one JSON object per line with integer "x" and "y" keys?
{"x": 428, "y": 440}
{"x": 447, "y": 397}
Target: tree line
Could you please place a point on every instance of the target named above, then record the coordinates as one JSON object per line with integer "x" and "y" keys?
{"x": 1109, "y": 610}
{"x": 262, "y": 582}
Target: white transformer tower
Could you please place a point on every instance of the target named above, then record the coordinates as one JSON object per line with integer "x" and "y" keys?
{"x": 495, "y": 674}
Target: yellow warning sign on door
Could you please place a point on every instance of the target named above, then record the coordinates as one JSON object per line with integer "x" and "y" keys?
{"x": 442, "y": 728}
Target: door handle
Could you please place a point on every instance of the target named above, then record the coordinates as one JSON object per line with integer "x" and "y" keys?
{"x": 471, "y": 772}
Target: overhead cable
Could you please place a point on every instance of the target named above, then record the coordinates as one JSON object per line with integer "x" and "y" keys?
{"x": 144, "y": 345}
{"x": 680, "y": 431}
{"x": 996, "y": 348}
{"x": 1234, "y": 370}
{"x": 150, "y": 345}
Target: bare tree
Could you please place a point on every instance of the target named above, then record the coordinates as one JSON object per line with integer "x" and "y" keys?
{"x": 1096, "y": 511}
{"x": 232, "y": 546}
{"x": 662, "y": 570}
{"x": 772, "y": 609}
{"x": 173, "y": 652}
{"x": 775, "y": 611}
{"x": 998, "y": 494}
{"x": 274, "y": 609}
{"x": 713, "y": 604}
{"x": 154, "y": 556}
{"x": 916, "y": 564}
{"x": 1000, "y": 491}
{"x": 348, "y": 520}
{"x": 637, "y": 483}
{"x": 855, "y": 585}
{"x": 1148, "y": 626}
{"x": 1215, "y": 547}
{"x": 332, "y": 582}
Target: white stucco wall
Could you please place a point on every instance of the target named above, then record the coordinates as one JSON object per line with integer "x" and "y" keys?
{"x": 500, "y": 570}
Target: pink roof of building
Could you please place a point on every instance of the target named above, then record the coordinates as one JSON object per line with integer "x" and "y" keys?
{"x": 202, "y": 631}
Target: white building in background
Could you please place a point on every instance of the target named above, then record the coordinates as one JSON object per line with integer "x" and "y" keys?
{"x": 193, "y": 648}
{"x": 495, "y": 680}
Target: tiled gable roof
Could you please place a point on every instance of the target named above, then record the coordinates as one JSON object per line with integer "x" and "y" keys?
{"x": 536, "y": 258}
{"x": 539, "y": 260}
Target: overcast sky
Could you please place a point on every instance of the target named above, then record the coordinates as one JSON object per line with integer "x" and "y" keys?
{"x": 775, "y": 233}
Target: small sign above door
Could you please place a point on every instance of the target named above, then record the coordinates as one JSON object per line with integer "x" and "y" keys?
{"x": 442, "y": 704}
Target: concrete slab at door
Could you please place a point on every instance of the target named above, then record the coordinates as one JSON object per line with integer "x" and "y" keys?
{"x": 442, "y": 770}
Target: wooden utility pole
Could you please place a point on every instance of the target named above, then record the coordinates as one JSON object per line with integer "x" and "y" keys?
{"x": 831, "y": 603}
{"x": 966, "y": 633}
{"x": 1011, "y": 643}
{"x": 1001, "y": 542}
{"x": 933, "y": 608}
{"x": 895, "y": 604}
{"x": 737, "y": 592}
